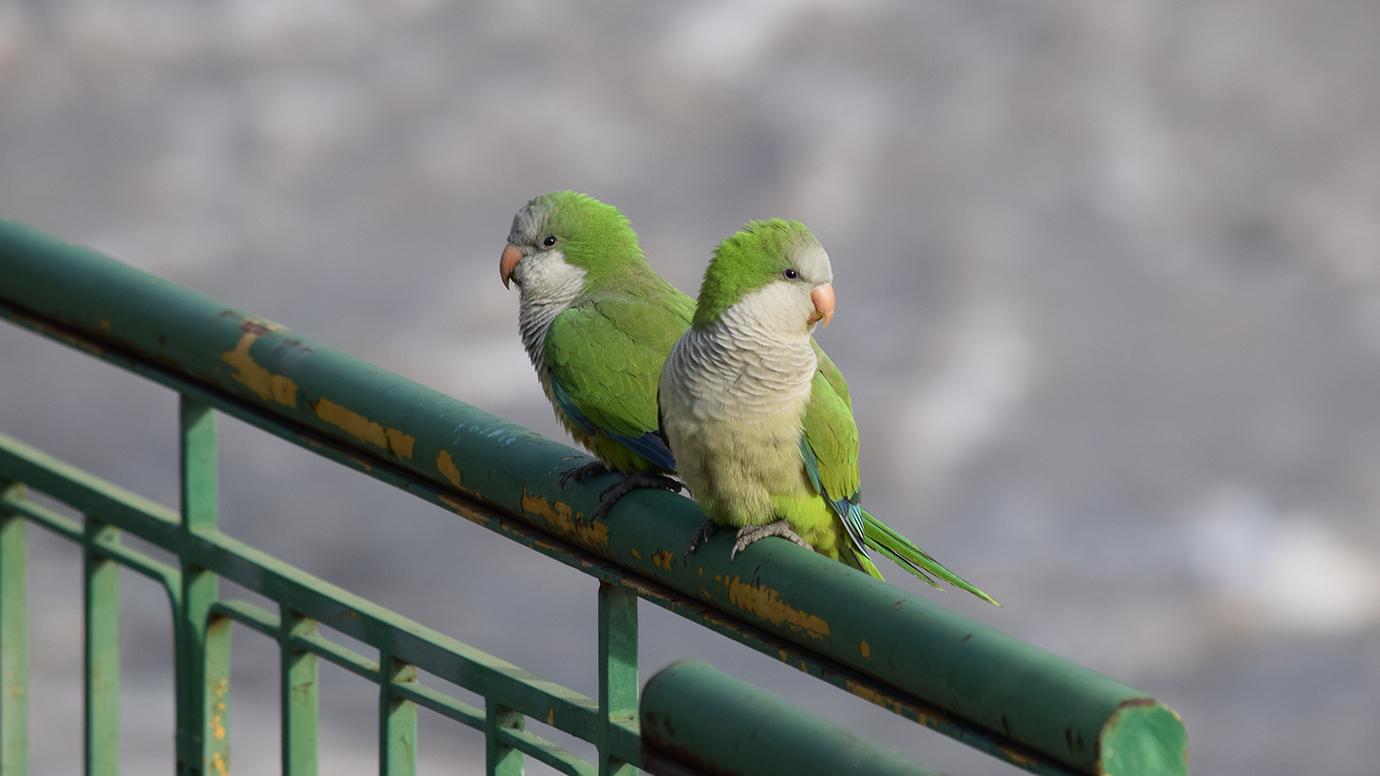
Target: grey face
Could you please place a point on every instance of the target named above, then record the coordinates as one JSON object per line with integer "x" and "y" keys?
{"x": 541, "y": 254}
{"x": 528, "y": 225}
{"x": 810, "y": 260}
{"x": 543, "y": 275}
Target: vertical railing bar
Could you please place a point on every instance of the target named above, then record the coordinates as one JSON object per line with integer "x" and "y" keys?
{"x": 500, "y": 758}
{"x": 298, "y": 689}
{"x": 617, "y": 670}
{"x": 14, "y": 637}
{"x": 397, "y": 719}
{"x": 101, "y": 652}
{"x": 216, "y": 659}
{"x": 202, "y": 687}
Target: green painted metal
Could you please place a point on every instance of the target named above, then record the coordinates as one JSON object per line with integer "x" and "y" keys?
{"x": 215, "y": 730}
{"x": 501, "y": 758}
{"x": 14, "y": 634}
{"x": 203, "y": 708}
{"x": 617, "y": 665}
{"x": 397, "y": 719}
{"x": 101, "y": 610}
{"x": 697, "y": 714}
{"x": 299, "y": 690}
{"x": 445, "y": 657}
{"x": 881, "y": 643}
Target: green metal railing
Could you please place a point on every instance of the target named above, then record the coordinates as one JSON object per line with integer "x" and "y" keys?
{"x": 878, "y": 642}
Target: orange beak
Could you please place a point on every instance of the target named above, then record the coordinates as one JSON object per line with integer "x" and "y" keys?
{"x": 823, "y": 297}
{"x": 507, "y": 262}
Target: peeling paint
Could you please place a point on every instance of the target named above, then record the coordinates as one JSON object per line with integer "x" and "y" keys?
{"x": 219, "y": 764}
{"x": 662, "y": 559}
{"x": 551, "y": 715}
{"x": 249, "y": 373}
{"x": 864, "y": 648}
{"x": 875, "y": 697}
{"x": 636, "y": 553}
{"x": 219, "y": 707}
{"x": 446, "y": 466}
{"x": 766, "y": 603}
{"x": 1018, "y": 758}
{"x": 366, "y": 430}
{"x": 565, "y": 520}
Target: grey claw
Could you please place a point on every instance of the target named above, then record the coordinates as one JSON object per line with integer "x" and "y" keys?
{"x": 749, "y": 535}
{"x": 701, "y": 536}
{"x": 582, "y": 473}
{"x": 628, "y": 484}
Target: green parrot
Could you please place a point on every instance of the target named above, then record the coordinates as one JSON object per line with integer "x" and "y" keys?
{"x": 597, "y": 323}
{"x": 760, "y": 420}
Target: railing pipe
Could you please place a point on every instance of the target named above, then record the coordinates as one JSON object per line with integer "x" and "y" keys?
{"x": 697, "y": 715}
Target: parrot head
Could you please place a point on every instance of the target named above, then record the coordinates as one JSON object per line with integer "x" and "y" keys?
{"x": 774, "y": 273}
{"x": 560, "y": 239}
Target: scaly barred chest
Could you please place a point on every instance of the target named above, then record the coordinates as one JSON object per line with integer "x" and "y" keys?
{"x": 733, "y": 399}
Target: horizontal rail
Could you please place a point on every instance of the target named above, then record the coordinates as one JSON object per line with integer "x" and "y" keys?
{"x": 266, "y": 623}
{"x": 329, "y": 604}
{"x": 166, "y": 576}
{"x": 704, "y": 716}
{"x": 879, "y": 642}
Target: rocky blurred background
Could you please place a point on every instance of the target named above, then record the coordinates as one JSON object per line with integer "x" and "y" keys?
{"x": 1109, "y": 302}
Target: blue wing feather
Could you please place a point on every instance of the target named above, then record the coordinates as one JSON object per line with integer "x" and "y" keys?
{"x": 650, "y": 445}
{"x": 849, "y": 510}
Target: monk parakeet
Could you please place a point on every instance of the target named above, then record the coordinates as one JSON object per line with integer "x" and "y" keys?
{"x": 597, "y": 323}
{"x": 760, "y": 420}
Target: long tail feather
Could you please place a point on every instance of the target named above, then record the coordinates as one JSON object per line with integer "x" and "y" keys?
{"x": 880, "y": 537}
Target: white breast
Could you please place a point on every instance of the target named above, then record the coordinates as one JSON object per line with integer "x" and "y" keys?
{"x": 549, "y": 286}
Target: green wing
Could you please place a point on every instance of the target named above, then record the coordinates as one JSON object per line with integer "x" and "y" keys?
{"x": 830, "y": 449}
{"x": 829, "y": 446}
{"x": 604, "y": 358}
{"x": 832, "y": 375}
{"x": 832, "y": 436}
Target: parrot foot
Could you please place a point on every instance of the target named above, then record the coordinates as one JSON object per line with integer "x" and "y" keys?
{"x": 582, "y": 473}
{"x": 701, "y": 536}
{"x": 628, "y": 484}
{"x": 751, "y": 534}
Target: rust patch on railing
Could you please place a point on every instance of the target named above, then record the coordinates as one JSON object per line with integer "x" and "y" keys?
{"x": 662, "y": 559}
{"x": 219, "y": 706}
{"x": 876, "y": 697}
{"x": 250, "y": 374}
{"x": 565, "y": 520}
{"x": 766, "y": 603}
{"x": 446, "y": 466}
{"x": 366, "y": 430}
{"x": 864, "y": 648}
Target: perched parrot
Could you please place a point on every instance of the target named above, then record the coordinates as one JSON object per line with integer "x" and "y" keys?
{"x": 597, "y": 323}
{"x": 760, "y": 420}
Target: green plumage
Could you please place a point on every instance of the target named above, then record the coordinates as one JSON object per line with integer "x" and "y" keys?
{"x": 598, "y": 359}
{"x": 607, "y": 353}
{"x": 748, "y": 260}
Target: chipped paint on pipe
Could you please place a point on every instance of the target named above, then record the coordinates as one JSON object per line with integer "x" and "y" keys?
{"x": 1074, "y": 715}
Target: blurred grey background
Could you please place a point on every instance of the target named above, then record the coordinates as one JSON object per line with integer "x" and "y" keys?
{"x": 1109, "y": 302}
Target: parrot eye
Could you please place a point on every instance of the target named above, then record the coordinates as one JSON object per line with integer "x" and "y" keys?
{"x": 791, "y": 274}
{"x": 549, "y": 240}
